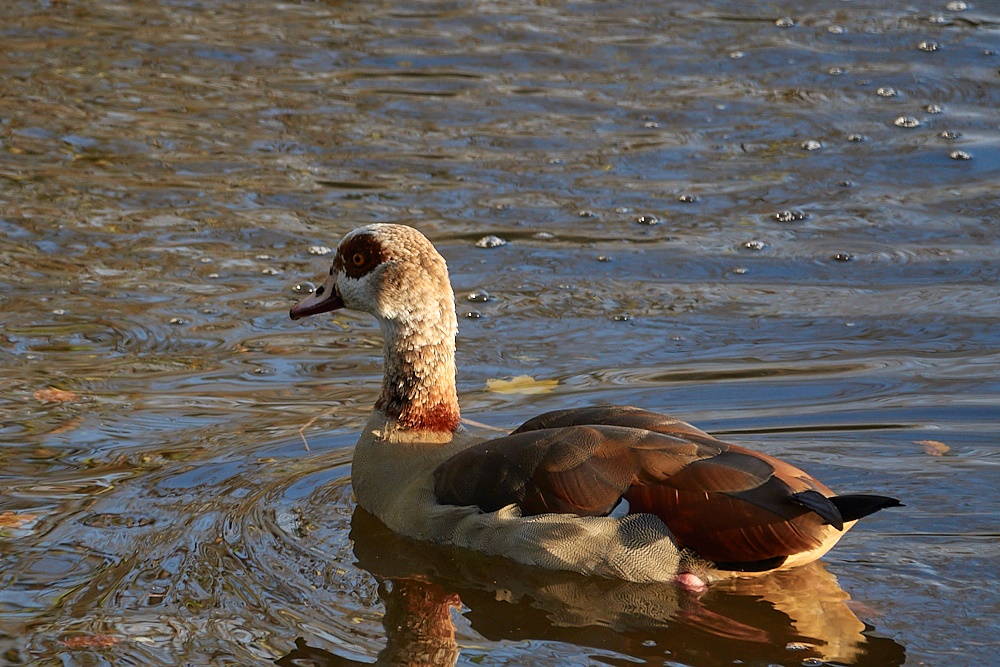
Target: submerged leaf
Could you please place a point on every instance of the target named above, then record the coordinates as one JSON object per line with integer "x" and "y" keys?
{"x": 90, "y": 641}
{"x": 15, "y": 520}
{"x": 54, "y": 395}
{"x": 67, "y": 426}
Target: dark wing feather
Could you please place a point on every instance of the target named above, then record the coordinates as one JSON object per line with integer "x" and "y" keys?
{"x": 822, "y": 506}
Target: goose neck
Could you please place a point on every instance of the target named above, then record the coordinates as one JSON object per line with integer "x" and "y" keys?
{"x": 418, "y": 389}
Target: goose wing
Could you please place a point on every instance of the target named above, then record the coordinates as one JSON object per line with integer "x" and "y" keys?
{"x": 739, "y": 508}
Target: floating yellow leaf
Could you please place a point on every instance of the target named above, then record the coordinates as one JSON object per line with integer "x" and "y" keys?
{"x": 934, "y": 447}
{"x": 521, "y": 384}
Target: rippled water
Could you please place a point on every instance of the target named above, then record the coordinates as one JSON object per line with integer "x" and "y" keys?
{"x": 819, "y": 281}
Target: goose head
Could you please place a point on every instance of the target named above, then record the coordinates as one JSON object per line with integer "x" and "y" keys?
{"x": 395, "y": 274}
{"x": 390, "y": 271}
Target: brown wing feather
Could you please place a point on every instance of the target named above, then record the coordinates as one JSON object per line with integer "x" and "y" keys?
{"x": 745, "y": 526}
{"x": 797, "y": 479}
{"x": 614, "y": 415}
{"x": 582, "y": 470}
{"x": 728, "y": 472}
{"x": 729, "y": 504}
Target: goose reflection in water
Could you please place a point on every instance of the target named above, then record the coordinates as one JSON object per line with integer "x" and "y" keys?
{"x": 784, "y": 618}
{"x": 418, "y": 625}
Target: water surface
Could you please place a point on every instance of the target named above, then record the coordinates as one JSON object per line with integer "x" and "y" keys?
{"x": 778, "y": 222}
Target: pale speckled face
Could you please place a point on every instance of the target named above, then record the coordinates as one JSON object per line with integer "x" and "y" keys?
{"x": 390, "y": 271}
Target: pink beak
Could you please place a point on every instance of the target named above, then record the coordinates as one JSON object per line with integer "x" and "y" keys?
{"x": 323, "y": 300}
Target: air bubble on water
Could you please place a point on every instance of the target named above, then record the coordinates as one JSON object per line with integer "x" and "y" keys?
{"x": 648, "y": 220}
{"x": 603, "y": 258}
{"x": 836, "y": 30}
{"x": 304, "y": 287}
{"x": 739, "y": 270}
{"x": 687, "y": 198}
{"x": 956, "y": 6}
{"x": 490, "y": 241}
{"x": 736, "y": 55}
{"x": 856, "y": 137}
{"x": 754, "y": 244}
{"x": 811, "y": 145}
{"x": 623, "y": 317}
{"x": 886, "y": 91}
{"x": 178, "y": 320}
{"x": 213, "y": 275}
{"x": 950, "y": 134}
{"x": 785, "y": 22}
{"x": 928, "y": 46}
{"x": 473, "y": 315}
{"x": 933, "y": 108}
{"x": 938, "y": 19}
{"x": 556, "y": 160}
{"x": 649, "y": 643}
{"x": 58, "y": 311}
{"x": 478, "y": 296}
{"x": 843, "y": 257}
{"x": 263, "y": 257}
{"x": 623, "y": 209}
{"x": 545, "y": 236}
{"x": 790, "y": 216}
{"x": 906, "y": 121}
{"x": 846, "y": 184}
{"x": 501, "y": 207}
{"x": 270, "y": 271}
{"x": 206, "y": 260}
{"x": 586, "y": 213}
{"x": 836, "y": 71}
{"x": 960, "y": 155}
{"x": 319, "y": 250}
{"x": 650, "y": 124}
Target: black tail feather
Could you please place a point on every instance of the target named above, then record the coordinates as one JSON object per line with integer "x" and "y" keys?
{"x": 857, "y": 505}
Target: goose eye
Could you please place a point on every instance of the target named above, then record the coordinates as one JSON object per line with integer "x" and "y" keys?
{"x": 358, "y": 259}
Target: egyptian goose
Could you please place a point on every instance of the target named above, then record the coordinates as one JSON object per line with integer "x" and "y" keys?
{"x": 618, "y": 492}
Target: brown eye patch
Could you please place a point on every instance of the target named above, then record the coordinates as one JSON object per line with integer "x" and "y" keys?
{"x": 359, "y": 255}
